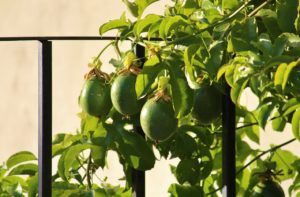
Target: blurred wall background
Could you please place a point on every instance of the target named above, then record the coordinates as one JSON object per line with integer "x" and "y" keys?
{"x": 18, "y": 75}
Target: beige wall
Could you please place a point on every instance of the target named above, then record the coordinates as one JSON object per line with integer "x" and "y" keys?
{"x": 18, "y": 74}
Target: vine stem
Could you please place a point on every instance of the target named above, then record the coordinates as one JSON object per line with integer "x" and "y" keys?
{"x": 229, "y": 17}
{"x": 88, "y": 175}
{"x": 256, "y": 158}
{"x": 263, "y": 153}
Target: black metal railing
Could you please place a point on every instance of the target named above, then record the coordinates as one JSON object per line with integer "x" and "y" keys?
{"x": 45, "y": 120}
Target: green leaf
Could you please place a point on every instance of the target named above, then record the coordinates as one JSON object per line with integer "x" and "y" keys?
{"x": 182, "y": 94}
{"x": 20, "y": 157}
{"x": 263, "y": 114}
{"x": 33, "y": 186}
{"x": 279, "y": 76}
{"x": 183, "y": 191}
{"x": 269, "y": 18}
{"x": 120, "y": 24}
{"x": 296, "y": 124}
{"x": 278, "y": 124}
{"x": 136, "y": 151}
{"x": 284, "y": 159}
{"x": 290, "y": 106}
{"x": 242, "y": 34}
{"x": 137, "y": 7}
{"x": 286, "y": 14}
{"x": 13, "y": 186}
{"x": 171, "y": 23}
{"x": 66, "y": 161}
{"x": 283, "y": 41}
{"x": 297, "y": 21}
{"x": 147, "y": 77}
{"x": 287, "y": 73}
{"x": 187, "y": 170}
{"x": 222, "y": 71}
{"x": 154, "y": 28}
{"x": 189, "y": 58}
{"x": 230, "y": 4}
{"x": 214, "y": 60}
{"x": 252, "y": 131}
{"x": 98, "y": 155}
{"x": 24, "y": 169}
{"x": 143, "y": 25}
{"x": 237, "y": 89}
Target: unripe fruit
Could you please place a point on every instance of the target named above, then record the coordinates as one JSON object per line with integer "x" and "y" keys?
{"x": 123, "y": 95}
{"x": 158, "y": 119}
{"x": 207, "y": 104}
{"x": 95, "y": 97}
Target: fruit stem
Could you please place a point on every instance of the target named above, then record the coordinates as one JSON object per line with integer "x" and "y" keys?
{"x": 106, "y": 46}
{"x": 263, "y": 153}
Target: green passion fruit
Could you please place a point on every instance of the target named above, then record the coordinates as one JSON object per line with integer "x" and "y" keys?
{"x": 158, "y": 119}
{"x": 268, "y": 188}
{"x": 95, "y": 97}
{"x": 123, "y": 95}
{"x": 207, "y": 104}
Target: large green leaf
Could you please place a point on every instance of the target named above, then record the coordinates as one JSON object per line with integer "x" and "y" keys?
{"x": 24, "y": 169}
{"x": 147, "y": 77}
{"x": 296, "y": 124}
{"x": 121, "y": 23}
{"x": 136, "y": 152}
{"x": 284, "y": 159}
{"x": 20, "y": 157}
{"x": 182, "y": 94}
{"x": 286, "y": 14}
{"x": 143, "y": 25}
{"x": 177, "y": 190}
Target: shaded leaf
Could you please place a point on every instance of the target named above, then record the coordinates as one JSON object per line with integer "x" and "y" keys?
{"x": 286, "y": 14}
{"x": 24, "y": 169}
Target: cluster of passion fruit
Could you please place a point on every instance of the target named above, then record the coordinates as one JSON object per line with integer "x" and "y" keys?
{"x": 157, "y": 116}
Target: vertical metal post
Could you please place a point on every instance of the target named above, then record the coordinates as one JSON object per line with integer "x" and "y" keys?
{"x": 45, "y": 118}
{"x": 138, "y": 177}
{"x": 228, "y": 146}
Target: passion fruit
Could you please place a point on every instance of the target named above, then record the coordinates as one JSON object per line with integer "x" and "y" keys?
{"x": 207, "y": 104}
{"x": 95, "y": 97}
{"x": 268, "y": 188}
{"x": 158, "y": 119}
{"x": 123, "y": 95}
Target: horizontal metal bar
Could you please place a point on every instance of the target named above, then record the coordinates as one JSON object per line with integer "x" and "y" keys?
{"x": 65, "y": 38}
